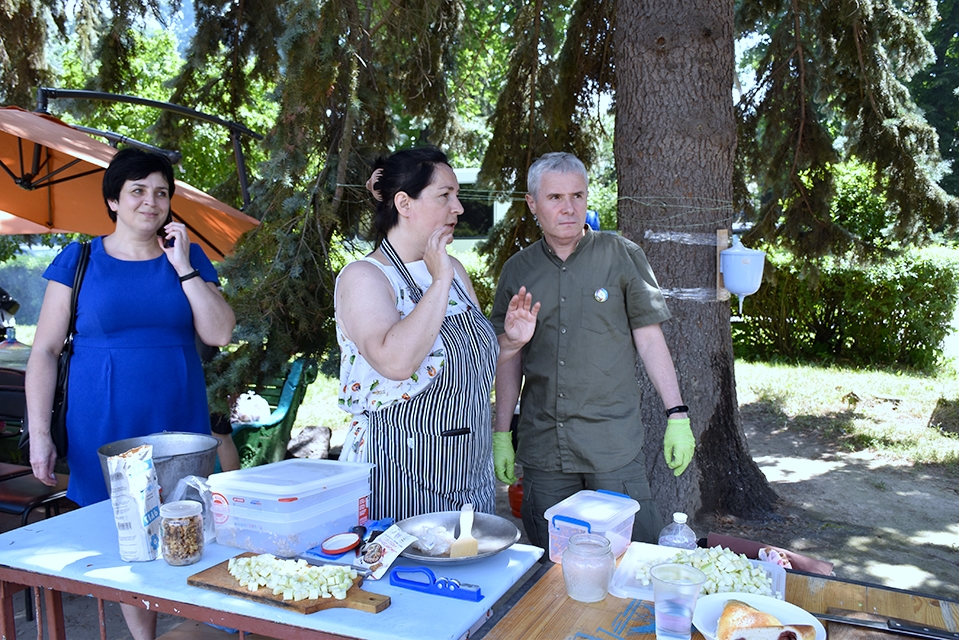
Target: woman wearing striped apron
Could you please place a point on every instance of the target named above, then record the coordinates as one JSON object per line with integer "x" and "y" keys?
{"x": 418, "y": 355}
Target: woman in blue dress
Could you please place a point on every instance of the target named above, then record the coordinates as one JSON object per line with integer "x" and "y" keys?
{"x": 146, "y": 295}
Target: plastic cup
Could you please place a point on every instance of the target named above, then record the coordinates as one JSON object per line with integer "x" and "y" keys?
{"x": 675, "y": 590}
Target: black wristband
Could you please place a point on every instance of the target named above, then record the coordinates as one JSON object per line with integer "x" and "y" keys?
{"x": 677, "y": 409}
{"x": 192, "y": 274}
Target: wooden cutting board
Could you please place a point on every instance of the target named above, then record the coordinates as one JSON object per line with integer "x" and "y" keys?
{"x": 218, "y": 578}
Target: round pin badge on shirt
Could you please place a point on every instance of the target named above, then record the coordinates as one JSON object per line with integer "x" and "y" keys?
{"x": 601, "y": 295}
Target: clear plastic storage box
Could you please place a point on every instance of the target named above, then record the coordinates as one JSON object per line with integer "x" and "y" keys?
{"x": 287, "y": 507}
{"x": 602, "y": 512}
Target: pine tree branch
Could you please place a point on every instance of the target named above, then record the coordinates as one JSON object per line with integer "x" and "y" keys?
{"x": 534, "y": 82}
{"x": 383, "y": 21}
{"x": 857, "y": 38}
{"x": 800, "y": 54}
{"x": 346, "y": 141}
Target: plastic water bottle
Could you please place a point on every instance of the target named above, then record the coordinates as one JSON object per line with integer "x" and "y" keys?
{"x": 677, "y": 533}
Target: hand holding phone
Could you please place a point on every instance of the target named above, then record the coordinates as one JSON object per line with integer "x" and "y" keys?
{"x": 161, "y": 232}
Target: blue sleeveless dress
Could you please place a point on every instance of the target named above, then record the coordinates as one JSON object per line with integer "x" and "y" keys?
{"x": 135, "y": 369}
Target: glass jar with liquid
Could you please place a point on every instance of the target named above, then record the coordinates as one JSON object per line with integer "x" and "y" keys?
{"x": 588, "y": 566}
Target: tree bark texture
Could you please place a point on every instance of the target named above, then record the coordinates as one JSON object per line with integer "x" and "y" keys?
{"x": 674, "y": 148}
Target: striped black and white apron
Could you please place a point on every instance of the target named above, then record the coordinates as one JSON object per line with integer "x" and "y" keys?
{"x": 435, "y": 452}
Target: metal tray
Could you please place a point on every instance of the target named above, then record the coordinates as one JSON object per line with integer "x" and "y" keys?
{"x": 494, "y": 534}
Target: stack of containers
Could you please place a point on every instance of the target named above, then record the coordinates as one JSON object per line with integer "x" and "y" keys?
{"x": 602, "y": 512}
{"x": 287, "y": 507}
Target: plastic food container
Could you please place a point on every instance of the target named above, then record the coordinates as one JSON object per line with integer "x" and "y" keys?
{"x": 287, "y": 507}
{"x": 602, "y": 512}
{"x": 291, "y": 535}
{"x": 181, "y": 532}
{"x": 625, "y": 584}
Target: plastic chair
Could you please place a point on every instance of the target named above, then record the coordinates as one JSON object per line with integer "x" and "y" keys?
{"x": 266, "y": 441}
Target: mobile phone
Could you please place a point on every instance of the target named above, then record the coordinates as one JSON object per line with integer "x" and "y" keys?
{"x": 168, "y": 242}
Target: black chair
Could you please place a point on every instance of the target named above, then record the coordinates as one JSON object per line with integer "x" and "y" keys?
{"x": 20, "y": 492}
{"x": 21, "y": 495}
{"x": 8, "y": 470}
{"x": 13, "y": 402}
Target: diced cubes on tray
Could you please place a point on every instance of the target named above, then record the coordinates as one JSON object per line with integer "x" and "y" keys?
{"x": 292, "y": 579}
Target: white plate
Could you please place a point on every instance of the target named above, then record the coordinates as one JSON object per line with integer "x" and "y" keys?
{"x": 625, "y": 584}
{"x": 709, "y": 608}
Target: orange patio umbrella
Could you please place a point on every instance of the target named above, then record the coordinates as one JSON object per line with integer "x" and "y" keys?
{"x": 11, "y": 225}
{"x": 51, "y": 175}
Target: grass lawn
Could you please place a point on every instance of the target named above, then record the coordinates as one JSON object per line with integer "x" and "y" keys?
{"x": 912, "y": 417}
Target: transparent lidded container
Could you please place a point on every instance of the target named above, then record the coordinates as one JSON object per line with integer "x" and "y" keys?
{"x": 181, "y": 532}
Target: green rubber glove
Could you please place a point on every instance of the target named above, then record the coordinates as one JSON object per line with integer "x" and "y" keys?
{"x": 504, "y": 458}
{"x": 678, "y": 445}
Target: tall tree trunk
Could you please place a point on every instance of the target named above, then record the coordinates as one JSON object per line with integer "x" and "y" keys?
{"x": 674, "y": 147}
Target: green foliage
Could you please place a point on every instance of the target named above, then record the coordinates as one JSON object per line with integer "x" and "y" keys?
{"x": 23, "y": 62}
{"x": 9, "y": 247}
{"x": 604, "y": 199}
{"x": 356, "y": 83}
{"x": 336, "y": 83}
{"x": 603, "y": 187}
{"x": 280, "y": 288}
{"x": 827, "y": 72}
{"x": 895, "y": 313}
{"x": 208, "y": 158}
{"x": 858, "y": 206}
{"x": 935, "y": 89}
{"x": 561, "y": 62}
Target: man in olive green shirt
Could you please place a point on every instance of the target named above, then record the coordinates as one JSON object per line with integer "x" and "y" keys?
{"x": 598, "y": 305}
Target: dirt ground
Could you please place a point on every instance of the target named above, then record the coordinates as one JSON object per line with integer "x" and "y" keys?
{"x": 877, "y": 518}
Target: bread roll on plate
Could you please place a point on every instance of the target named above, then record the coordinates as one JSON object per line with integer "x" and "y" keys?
{"x": 739, "y": 621}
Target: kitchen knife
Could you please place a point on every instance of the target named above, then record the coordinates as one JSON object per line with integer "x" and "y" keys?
{"x": 319, "y": 562}
{"x": 893, "y": 625}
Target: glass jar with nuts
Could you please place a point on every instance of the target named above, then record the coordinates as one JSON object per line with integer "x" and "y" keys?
{"x": 181, "y": 532}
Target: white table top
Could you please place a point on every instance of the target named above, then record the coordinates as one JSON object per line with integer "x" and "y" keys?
{"x": 82, "y": 545}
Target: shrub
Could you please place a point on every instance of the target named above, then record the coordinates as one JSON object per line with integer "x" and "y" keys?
{"x": 896, "y": 313}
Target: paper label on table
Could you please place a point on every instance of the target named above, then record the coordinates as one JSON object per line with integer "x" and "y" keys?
{"x": 377, "y": 556}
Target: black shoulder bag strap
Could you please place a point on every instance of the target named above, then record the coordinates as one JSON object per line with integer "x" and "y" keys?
{"x": 77, "y": 281}
{"x": 60, "y": 392}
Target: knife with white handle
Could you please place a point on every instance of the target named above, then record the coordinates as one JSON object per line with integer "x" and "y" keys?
{"x": 893, "y": 625}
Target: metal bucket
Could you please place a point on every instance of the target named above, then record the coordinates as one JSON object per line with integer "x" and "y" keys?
{"x": 175, "y": 455}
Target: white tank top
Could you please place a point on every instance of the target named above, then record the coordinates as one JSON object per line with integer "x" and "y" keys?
{"x": 362, "y": 388}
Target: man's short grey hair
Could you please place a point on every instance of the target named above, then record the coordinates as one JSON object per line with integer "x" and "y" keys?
{"x": 560, "y": 162}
